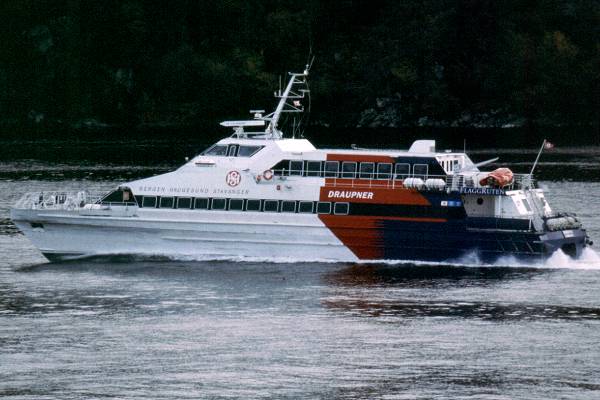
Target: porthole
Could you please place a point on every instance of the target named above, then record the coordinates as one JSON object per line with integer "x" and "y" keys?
{"x": 480, "y": 200}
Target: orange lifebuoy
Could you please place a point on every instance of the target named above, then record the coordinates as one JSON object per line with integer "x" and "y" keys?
{"x": 268, "y": 175}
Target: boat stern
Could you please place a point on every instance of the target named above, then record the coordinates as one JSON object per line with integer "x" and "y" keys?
{"x": 569, "y": 241}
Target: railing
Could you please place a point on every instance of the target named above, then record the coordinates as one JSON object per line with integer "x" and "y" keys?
{"x": 58, "y": 200}
{"x": 392, "y": 181}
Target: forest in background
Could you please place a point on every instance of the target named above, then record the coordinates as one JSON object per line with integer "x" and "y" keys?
{"x": 378, "y": 63}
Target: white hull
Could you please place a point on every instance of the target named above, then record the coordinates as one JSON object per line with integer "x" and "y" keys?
{"x": 63, "y": 234}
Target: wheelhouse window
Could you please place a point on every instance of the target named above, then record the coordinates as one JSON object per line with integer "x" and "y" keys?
{"x": 384, "y": 171}
{"x": 420, "y": 171}
{"x": 218, "y": 204}
{"x": 341, "y": 208}
{"x": 149, "y": 201}
{"x": 296, "y": 167}
{"x": 331, "y": 169}
{"x": 305, "y": 207}
{"x": 271, "y": 206}
{"x": 366, "y": 170}
{"x": 252, "y": 205}
{"x": 313, "y": 168}
{"x": 288, "y": 206}
{"x": 402, "y": 171}
{"x": 236, "y": 204}
{"x": 248, "y": 151}
{"x": 348, "y": 169}
{"x": 216, "y": 150}
{"x": 324, "y": 207}
{"x": 184, "y": 202}
{"x": 167, "y": 202}
{"x": 232, "y": 150}
{"x": 201, "y": 203}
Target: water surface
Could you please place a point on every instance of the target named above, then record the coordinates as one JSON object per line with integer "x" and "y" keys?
{"x": 133, "y": 327}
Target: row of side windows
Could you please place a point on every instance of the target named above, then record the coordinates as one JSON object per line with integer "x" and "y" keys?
{"x": 285, "y": 206}
{"x": 350, "y": 169}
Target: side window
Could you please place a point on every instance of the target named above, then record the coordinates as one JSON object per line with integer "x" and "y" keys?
{"x": 305, "y": 207}
{"x": 236, "y": 204}
{"x": 341, "y": 208}
{"x": 348, "y": 169}
{"x": 200, "y": 203}
{"x": 313, "y": 168}
{"x": 281, "y": 168}
{"x": 455, "y": 165}
{"x": 384, "y": 171}
{"x": 167, "y": 202}
{"x": 184, "y": 202}
{"x": 296, "y": 167}
{"x": 252, "y": 205}
{"x": 149, "y": 201}
{"x": 331, "y": 169}
{"x": 271, "y": 205}
{"x": 420, "y": 171}
{"x": 288, "y": 206}
{"x": 366, "y": 170}
{"x": 402, "y": 171}
{"x": 324, "y": 207}
{"x": 218, "y": 204}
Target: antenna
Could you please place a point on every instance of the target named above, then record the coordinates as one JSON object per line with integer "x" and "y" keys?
{"x": 289, "y": 102}
{"x": 285, "y": 105}
{"x": 538, "y": 157}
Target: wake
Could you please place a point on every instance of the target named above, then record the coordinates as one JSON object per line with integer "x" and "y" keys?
{"x": 589, "y": 260}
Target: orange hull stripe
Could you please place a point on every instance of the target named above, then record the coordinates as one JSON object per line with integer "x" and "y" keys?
{"x": 400, "y": 196}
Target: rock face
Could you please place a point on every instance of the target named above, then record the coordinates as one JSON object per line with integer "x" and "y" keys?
{"x": 388, "y": 113}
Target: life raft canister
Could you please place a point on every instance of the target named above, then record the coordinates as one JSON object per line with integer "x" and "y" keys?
{"x": 268, "y": 175}
{"x": 498, "y": 178}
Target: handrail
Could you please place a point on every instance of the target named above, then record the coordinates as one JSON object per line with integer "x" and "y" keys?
{"x": 62, "y": 200}
{"x": 393, "y": 181}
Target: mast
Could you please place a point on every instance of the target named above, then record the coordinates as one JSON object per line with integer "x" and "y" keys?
{"x": 285, "y": 105}
{"x": 289, "y": 102}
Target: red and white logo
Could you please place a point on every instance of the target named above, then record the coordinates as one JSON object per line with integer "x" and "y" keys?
{"x": 233, "y": 178}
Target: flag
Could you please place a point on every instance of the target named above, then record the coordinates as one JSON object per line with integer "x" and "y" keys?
{"x": 548, "y": 145}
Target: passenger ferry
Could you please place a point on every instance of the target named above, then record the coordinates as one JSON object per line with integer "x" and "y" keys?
{"x": 259, "y": 194}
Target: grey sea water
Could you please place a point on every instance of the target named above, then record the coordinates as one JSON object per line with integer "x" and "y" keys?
{"x": 140, "y": 328}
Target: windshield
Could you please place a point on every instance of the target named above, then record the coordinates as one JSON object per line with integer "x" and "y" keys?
{"x": 216, "y": 150}
{"x": 248, "y": 151}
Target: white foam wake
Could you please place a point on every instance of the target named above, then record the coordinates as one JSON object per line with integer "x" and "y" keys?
{"x": 589, "y": 260}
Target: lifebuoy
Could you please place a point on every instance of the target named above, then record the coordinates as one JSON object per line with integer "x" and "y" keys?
{"x": 268, "y": 175}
